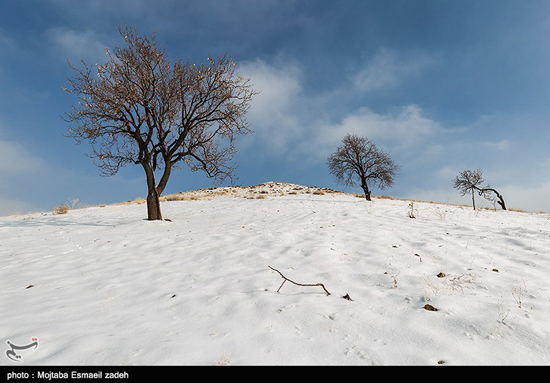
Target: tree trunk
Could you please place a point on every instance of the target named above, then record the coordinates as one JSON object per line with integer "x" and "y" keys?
{"x": 499, "y": 196}
{"x": 473, "y": 199}
{"x": 501, "y": 202}
{"x": 366, "y": 190}
{"x": 367, "y": 195}
{"x": 153, "y": 205}
{"x": 153, "y": 202}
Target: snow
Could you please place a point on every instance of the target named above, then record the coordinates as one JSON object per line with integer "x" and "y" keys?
{"x": 103, "y": 286}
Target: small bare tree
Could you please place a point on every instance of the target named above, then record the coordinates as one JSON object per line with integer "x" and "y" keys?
{"x": 137, "y": 108}
{"x": 358, "y": 160}
{"x": 469, "y": 181}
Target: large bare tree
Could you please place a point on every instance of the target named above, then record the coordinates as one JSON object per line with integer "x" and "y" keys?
{"x": 138, "y": 108}
{"x": 358, "y": 160}
{"x": 470, "y": 182}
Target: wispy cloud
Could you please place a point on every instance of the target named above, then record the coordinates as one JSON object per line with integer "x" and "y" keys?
{"x": 498, "y": 145}
{"x": 388, "y": 68}
{"x": 76, "y": 45}
{"x": 273, "y": 115}
{"x": 402, "y": 128}
{"x": 533, "y": 197}
{"x": 287, "y": 121}
{"x": 15, "y": 158}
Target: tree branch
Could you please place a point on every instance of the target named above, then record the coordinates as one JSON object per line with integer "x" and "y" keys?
{"x": 298, "y": 284}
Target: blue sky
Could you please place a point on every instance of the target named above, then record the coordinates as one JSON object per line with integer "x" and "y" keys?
{"x": 443, "y": 85}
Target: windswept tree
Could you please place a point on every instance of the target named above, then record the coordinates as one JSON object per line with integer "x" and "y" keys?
{"x": 492, "y": 195}
{"x": 359, "y": 161}
{"x": 140, "y": 109}
{"x": 470, "y": 182}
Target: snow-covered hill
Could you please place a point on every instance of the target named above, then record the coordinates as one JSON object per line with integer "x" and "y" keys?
{"x": 103, "y": 286}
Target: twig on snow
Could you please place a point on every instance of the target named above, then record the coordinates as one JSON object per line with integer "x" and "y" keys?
{"x": 299, "y": 284}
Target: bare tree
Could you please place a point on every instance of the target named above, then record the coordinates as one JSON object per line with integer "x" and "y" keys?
{"x": 469, "y": 182}
{"x": 358, "y": 160}
{"x": 138, "y": 108}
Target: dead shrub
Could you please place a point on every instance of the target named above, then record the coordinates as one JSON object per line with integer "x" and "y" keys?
{"x": 62, "y": 209}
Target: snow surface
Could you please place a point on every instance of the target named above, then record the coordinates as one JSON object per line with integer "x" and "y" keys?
{"x": 103, "y": 286}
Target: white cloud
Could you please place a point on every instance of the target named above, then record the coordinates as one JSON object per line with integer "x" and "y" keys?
{"x": 406, "y": 126}
{"x": 447, "y": 173}
{"x": 500, "y": 145}
{"x": 388, "y": 68}
{"x": 76, "y": 45}
{"x": 288, "y": 122}
{"x": 272, "y": 115}
{"x": 14, "y": 158}
{"x": 533, "y": 197}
